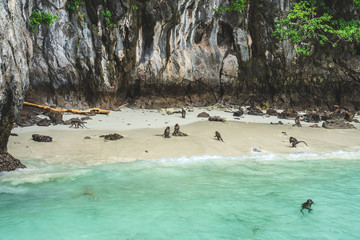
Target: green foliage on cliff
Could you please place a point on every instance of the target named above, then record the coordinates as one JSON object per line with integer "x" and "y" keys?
{"x": 108, "y": 18}
{"x": 74, "y": 5}
{"x": 235, "y": 5}
{"x": 42, "y": 17}
{"x": 312, "y": 22}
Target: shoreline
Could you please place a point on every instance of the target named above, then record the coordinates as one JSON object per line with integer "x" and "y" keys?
{"x": 248, "y": 135}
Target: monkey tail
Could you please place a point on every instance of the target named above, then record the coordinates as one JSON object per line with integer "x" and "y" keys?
{"x": 303, "y": 142}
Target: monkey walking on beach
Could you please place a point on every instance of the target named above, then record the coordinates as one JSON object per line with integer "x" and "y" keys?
{"x": 306, "y": 205}
{"x": 218, "y": 136}
{"x": 294, "y": 141}
{"x": 183, "y": 112}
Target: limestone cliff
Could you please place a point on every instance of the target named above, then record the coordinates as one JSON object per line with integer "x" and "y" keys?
{"x": 180, "y": 49}
{"x": 15, "y": 56}
{"x": 108, "y": 52}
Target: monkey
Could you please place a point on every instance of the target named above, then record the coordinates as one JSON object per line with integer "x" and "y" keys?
{"x": 167, "y": 132}
{"x": 218, "y": 136}
{"x": 297, "y": 121}
{"x": 176, "y": 130}
{"x": 294, "y": 141}
{"x": 183, "y": 112}
{"x": 306, "y": 205}
{"x": 77, "y": 123}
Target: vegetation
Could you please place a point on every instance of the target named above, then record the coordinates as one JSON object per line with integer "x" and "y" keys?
{"x": 74, "y": 5}
{"x": 312, "y": 22}
{"x": 108, "y": 18}
{"x": 235, "y": 6}
{"x": 42, "y": 17}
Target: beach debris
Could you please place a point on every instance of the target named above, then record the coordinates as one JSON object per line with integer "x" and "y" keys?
{"x": 288, "y": 114}
{"x": 112, "y": 137}
{"x": 85, "y": 118}
{"x": 284, "y": 133}
{"x": 41, "y": 138}
{"x": 217, "y": 119}
{"x": 76, "y": 111}
{"x": 238, "y": 113}
{"x": 312, "y": 117}
{"x": 254, "y": 111}
{"x": 177, "y": 131}
{"x": 183, "y": 112}
{"x": 14, "y": 134}
{"x": 307, "y": 205}
{"x": 256, "y": 149}
{"x": 87, "y": 137}
{"x": 210, "y": 108}
{"x": 314, "y": 125}
{"x": 218, "y": 136}
{"x": 278, "y": 123}
{"x": 294, "y": 141}
{"x": 44, "y": 122}
{"x": 203, "y": 115}
{"x": 337, "y": 124}
{"x": 76, "y": 122}
{"x": 271, "y": 112}
{"x": 55, "y": 117}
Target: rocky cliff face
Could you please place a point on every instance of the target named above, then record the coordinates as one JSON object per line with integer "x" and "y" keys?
{"x": 15, "y": 56}
{"x": 180, "y": 49}
{"x": 106, "y": 53}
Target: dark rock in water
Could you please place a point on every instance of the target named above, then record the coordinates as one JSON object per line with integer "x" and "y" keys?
{"x": 216, "y": 119}
{"x": 55, "y": 117}
{"x": 203, "y": 115}
{"x": 14, "y": 134}
{"x": 272, "y": 112}
{"x": 112, "y": 137}
{"x": 44, "y": 122}
{"x": 312, "y": 117}
{"x": 87, "y": 137}
{"x": 288, "y": 114}
{"x": 238, "y": 113}
{"x": 337, "y": 124}
{"x": 254, "y": 111}
{"x": 9, "y": 163}
{"x": 41, "y": 138}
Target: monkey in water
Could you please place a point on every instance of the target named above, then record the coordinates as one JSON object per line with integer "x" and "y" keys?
{"x": 167, "y": 132}
{"x": 183, "y": 112}
{"x": 218, "y": 136}
{"x": 294, "y": 141}
{"x": 307, "y": 205}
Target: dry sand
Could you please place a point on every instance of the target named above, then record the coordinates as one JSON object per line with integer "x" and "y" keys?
{"x": 141, "y": 127}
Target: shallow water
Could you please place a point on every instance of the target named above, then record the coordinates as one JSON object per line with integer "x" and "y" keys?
{"x": 207, "y": 197}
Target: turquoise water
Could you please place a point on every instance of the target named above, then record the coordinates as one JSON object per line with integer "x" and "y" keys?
{"x": 246, "y": 197}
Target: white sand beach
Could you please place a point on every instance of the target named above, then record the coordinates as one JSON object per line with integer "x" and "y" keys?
{"x": 141, "y": 128}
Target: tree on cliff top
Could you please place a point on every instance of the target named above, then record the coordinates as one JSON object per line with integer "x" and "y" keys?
{"x": 314, "y": 22}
